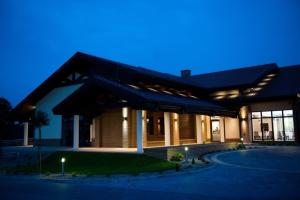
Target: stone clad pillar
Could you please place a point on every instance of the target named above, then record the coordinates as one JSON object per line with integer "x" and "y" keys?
{"x": 76, "y": 132}
{"x": 198, "y": 129}
{"x": 139, "y": 131}
{"x": 167, "y": 129}
{"x": 222, "y": 130}
{"x": 26, "y": 130}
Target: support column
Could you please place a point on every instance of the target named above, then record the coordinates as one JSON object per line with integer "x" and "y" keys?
{"x": 167, "y": 129}
{"x": 125, "y": 140}
{"x": 76, "y": 132}
{"x": 176, "y": 138}
{"x": 139, "y": 131}
{"x": 26, "y": 125}
{"x": 198, "y": 129}
{"x": 222, "y": 130}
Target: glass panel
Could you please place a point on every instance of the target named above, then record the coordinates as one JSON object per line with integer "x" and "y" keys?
{"x": 266, "y": 114}
{"x": 256, "y": 115}
{"x": 288, "y": 113}
{"x": 277, "y": 113}
{"x": 278, "y": 129}
{"x": 215, "y": 125}
{"x": 267, "y": 128}
{"x": 289, "y": 129}
{"x": 257, "y": 135}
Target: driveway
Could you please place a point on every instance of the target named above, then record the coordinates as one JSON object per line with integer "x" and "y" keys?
{"x": 263, "y": 173}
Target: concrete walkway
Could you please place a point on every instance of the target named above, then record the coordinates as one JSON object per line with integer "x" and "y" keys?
{"x": 263, "y": 173}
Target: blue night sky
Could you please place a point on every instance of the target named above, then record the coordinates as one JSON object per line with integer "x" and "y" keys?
{"x": 37, "y": 37}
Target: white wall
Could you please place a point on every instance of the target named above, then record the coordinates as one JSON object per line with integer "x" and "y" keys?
{"x": 46, "y": 104}
{"x": 232, "y": 129}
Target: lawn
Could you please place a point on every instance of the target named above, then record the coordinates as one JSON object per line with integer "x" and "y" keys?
{"x": 99, "y": 163}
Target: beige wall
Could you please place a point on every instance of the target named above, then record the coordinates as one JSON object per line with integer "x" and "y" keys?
{"x": 232, "y": 129}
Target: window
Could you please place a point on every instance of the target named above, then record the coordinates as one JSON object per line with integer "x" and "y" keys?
{"x": 256, "y": 115}
{"x": 277, "y": 113}
{"x": 289, "y": 128}
{"x": 275, "y": 125}
{"x": 287, "y": 113}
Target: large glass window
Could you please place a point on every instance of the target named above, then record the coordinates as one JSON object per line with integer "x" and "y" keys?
{"x": 289, "y": 129}
{"x": 257, "y": 134}
{"x": 278, "y": 129}
{"x": 267, "y": 128}
{"x": 277, "y": 125}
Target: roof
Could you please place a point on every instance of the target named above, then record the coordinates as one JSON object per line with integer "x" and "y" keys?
{"x": 142, "y": 99}
{"x": 85, "y": 63}
{"x": 285, "y": 84}
{"x": 241, "y": 77}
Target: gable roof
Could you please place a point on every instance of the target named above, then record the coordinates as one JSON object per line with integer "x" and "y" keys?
{"x": 85, "y": 63}
{"x": 285, "y": 84}
{"x": 241, "y": 77}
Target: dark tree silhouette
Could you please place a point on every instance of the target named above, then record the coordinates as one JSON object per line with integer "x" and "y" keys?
{"x": 5, "y": 109}
{"x": 39, "y": 120}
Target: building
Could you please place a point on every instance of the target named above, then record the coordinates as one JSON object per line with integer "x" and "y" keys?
{"x": 94, "y": 102}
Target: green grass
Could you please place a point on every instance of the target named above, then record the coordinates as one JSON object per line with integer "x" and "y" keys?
{"x": 98, "y": 164}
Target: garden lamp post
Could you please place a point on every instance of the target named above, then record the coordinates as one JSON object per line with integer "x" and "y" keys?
{"x": 63, "y": 160}
{"x": 186, "y": 149}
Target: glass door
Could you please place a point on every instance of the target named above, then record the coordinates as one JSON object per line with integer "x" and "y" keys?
{"x": 215, "y": 131}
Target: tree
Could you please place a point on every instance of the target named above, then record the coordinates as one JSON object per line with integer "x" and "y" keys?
{"x": 5, "y": 110}
{"x": 39, "y": 120}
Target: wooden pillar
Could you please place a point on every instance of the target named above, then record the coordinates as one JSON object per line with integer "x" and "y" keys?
{"x": 167, "y": 129}
{"x": 176, "y": 138}
{"x": 76, "y": 132}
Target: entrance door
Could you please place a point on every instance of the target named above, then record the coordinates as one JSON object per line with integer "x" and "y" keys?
{"x": 215, "y": 131}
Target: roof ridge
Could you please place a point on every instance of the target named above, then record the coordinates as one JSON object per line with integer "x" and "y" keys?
{"x": 236, "y": 69}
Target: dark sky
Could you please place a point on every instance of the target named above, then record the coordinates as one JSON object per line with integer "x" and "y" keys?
{"x": 36, "y": 37}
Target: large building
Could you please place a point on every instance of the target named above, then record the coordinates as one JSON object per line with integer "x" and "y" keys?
{"x": 94, "y": 102}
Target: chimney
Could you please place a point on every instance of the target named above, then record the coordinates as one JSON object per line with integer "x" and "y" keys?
{"x": 185, "y": 73}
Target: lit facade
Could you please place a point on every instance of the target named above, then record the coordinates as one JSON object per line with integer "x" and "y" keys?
{"x": 93, "y": 102}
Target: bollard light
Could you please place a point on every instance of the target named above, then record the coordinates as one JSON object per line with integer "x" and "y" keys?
{"x": 186, "y": 149}
{"x": 63, "y": 160}
{"x": 242, "y": 140}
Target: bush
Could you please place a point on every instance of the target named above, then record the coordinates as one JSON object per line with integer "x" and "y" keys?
{"x": 177, "y": 167}
{"x": 74, "y": 174}
{"x": 193, "y": 161}
{"x": 241, "y": 146}
{"x": 47, "y": 173}
{"x": 177, "y": 157}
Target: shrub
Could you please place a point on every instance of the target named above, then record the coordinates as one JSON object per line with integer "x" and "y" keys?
{"x": 193, "y": 161}
{"x": 74, "y": 174}
{"x": 177, "y": 157}
{"x": 177, "y": 167}
{"x": 241, "y": 146}
{"x": 47, "y": 173}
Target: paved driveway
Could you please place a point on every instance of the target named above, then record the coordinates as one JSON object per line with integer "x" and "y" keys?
{"x": 266, "y": 173}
